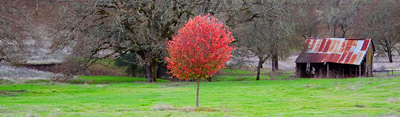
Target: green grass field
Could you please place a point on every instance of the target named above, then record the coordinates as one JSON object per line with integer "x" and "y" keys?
{"x": 295, "y": 97}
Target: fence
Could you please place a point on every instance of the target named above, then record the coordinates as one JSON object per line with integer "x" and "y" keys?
{"x": 388, "y": 72}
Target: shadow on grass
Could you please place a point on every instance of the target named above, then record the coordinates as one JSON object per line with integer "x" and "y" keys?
{"x": 166, "y": 107}
{"x": 11, "y": 93}
{"x": 108, "y": 80}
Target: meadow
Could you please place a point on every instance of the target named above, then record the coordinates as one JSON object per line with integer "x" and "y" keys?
{"x": 228, "y": 95}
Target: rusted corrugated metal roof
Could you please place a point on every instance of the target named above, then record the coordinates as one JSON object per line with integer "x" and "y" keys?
{"x": 335, "y": 50}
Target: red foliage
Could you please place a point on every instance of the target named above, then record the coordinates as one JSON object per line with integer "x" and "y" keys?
{"x": 200, "y": 48}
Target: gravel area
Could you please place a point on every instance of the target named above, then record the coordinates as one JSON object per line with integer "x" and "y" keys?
{"x": 18, "y": 73}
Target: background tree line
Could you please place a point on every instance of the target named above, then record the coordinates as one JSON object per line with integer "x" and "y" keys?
{"x": 135, "y": 32}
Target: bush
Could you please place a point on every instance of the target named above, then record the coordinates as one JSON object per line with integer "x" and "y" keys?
{"x": 38, "y": 81}
{"x": 61, "y": 78}
{"x": 5, "y": 81}
{"x": 130, "y": 63}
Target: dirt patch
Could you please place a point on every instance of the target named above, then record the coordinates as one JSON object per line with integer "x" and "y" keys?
{"x": 5, "y": 111}
{"x": 393, "y": 99}
{"x": 162, "y": 107}
{"x": 101, "y": 85}
{"x": 166, "y": 107}
{"x": 385, "y": 85}
{"x": 173, "y": 85}
{"x": 12, "y": 93}
{"x": 359, "y": 105}
{"x": 125, "y": 110}
{"x": 177, "y": 84}
{"x": 306, "y": 85}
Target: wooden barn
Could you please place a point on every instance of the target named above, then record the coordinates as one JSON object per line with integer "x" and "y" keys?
{"x": 335, "y": 58}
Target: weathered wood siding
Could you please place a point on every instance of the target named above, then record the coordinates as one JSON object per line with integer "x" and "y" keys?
{"x": 369, "y": 62}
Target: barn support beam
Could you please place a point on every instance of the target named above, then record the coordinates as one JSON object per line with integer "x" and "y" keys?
{"x": 327, "y": 70}
{"x": 343, "y": 71}
{"x": 297, "y": 71}
{"x": 359, "y": 71}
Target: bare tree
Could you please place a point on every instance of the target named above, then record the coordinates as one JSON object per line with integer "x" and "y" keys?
{"x": 307, "y": 18}
{"x": 255, "y": 43}
{"x": 383, "y": 27}
{"x": 268, "y": 35}
{"x": 341, "y": 16}
{"x": 15, "y": 22}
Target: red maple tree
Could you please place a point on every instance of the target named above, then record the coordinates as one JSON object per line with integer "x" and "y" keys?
{"x": 199, "y": 49}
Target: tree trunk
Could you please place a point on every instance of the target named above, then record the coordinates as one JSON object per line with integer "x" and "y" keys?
{"x": 275, "y": 65}
{"x": 154, "y": 68}
{"x": 389, "y": 51}
{"x": 150, "y": 65}
{"x": 149, "y": 73}
{"x": 197, "y": 95}
{"x": 151, "y": 68}
{"x": 334, "y": 30}
{"x": 258, "y": 70}
{"x": 344, "y": 34}
{"x": 390, "y": 57}
{"x": 209, "y": 79}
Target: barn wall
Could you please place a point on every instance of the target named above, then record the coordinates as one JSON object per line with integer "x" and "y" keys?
{"x": 369, "y": 62}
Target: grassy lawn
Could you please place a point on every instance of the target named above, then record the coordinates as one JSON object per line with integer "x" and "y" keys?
{"x": 299, "y": 97}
